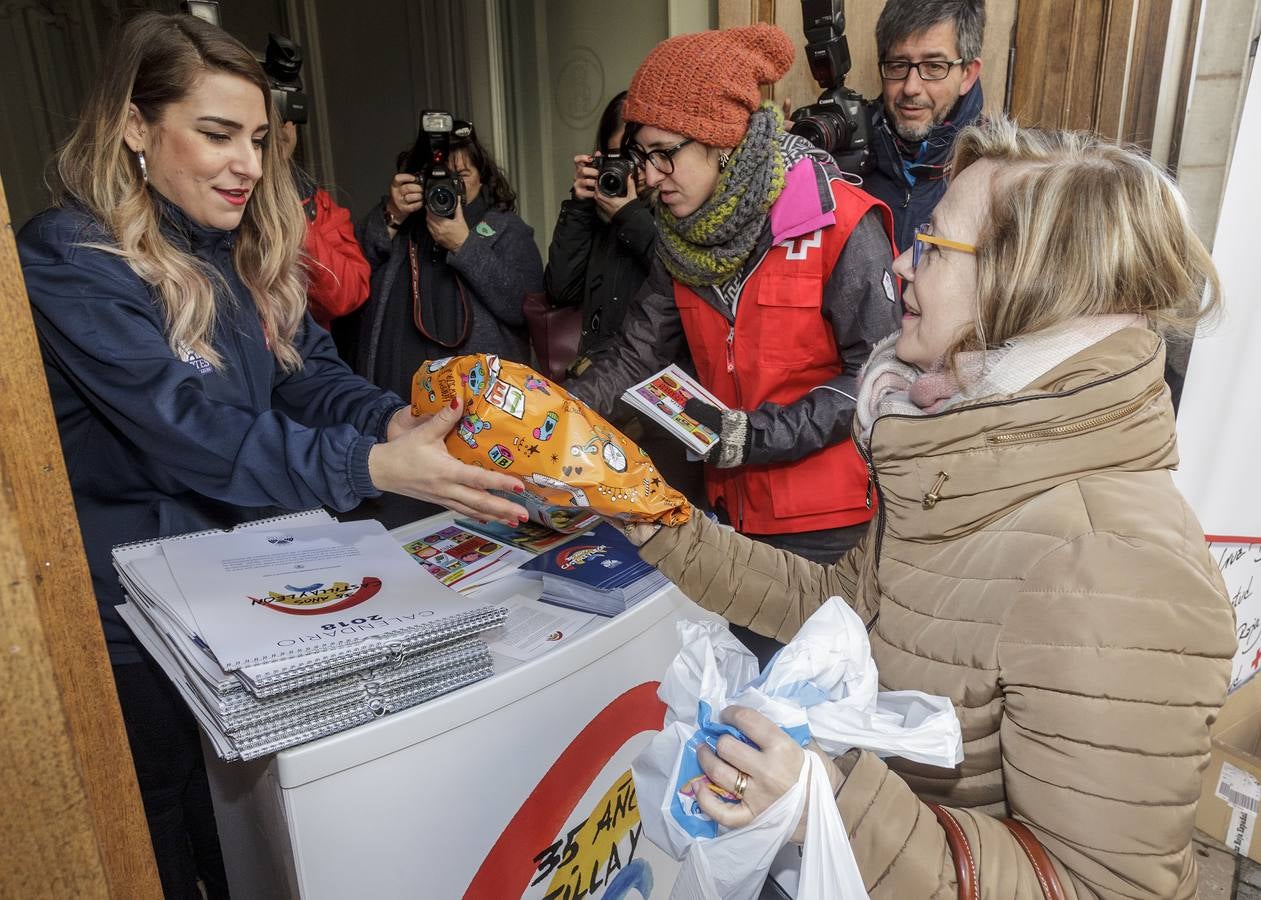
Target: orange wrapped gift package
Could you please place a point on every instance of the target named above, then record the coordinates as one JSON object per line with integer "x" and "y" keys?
{"x": 567, "y": 455}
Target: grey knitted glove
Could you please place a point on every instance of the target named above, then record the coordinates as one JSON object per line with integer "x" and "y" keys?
{"x": 732, "y": 426}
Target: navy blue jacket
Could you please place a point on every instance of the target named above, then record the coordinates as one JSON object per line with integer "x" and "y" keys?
{"x": 158, "y": 443}
{"x": 913, "y": 204}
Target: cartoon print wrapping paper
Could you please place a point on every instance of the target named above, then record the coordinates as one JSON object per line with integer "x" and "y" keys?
{"x": 567, "y": 455}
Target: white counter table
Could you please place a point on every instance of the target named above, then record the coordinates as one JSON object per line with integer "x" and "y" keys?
{"x": 517, "y": 786}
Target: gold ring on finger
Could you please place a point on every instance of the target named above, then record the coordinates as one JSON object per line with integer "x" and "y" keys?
{"x": 742, "y": 782}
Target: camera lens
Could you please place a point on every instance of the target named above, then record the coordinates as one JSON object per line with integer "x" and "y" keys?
{"x": 612, "y": 183}
{"x": 825, "y": 129}
{"x": 615, "y": 169}
{"x": 441, "y": 200}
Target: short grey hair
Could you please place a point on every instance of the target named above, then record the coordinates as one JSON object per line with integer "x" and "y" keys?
{"x": 902, "y": 18}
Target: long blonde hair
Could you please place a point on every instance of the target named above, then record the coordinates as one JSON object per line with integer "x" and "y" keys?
{"x": 1079, "y": 226}
{"x": 153, "y": 63}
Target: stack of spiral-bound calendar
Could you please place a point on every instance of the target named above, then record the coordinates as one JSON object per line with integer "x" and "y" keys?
{"x": 297, "y": 627}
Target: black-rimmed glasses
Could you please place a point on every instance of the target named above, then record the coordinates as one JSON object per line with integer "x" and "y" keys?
{"x": 662, "y": 160}
{"x": 928, "y": 69}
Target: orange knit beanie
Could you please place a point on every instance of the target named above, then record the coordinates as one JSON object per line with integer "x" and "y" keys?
{"x": 705, "y": 85}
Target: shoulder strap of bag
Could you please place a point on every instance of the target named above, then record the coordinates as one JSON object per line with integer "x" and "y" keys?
{"x": 1042, "y": 865}
{"x": 965, "y": 866}
{"x": 966, "y": 873}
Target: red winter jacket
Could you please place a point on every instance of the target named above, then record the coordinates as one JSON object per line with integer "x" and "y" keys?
{"x": 336, "y": 268}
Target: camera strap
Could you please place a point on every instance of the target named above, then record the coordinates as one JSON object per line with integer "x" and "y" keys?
{"x": 413, "y": 259}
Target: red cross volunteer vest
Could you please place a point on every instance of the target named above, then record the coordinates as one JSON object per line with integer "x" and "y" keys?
{"x": 779, "y": 348}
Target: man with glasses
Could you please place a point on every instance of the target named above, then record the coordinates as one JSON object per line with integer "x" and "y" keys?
{"x": 930, "y": 67}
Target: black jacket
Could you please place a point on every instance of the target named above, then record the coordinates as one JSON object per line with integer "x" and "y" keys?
{"x": 913, "y": 205}
{"x": 157, "y": 443}
{"x": 600, "y": 266}
{"x": 498, "y": 265}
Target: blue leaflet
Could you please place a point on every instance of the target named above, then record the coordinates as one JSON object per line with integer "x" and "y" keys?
{"x": 599, "y": 571}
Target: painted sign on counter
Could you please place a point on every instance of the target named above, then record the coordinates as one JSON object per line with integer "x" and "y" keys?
{"x": 578, "y": 835}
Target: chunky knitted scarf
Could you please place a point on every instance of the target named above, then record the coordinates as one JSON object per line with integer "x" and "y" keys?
{"x": 711, "y": 245}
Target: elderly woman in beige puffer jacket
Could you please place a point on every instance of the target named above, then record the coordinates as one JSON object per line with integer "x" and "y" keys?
{"x": 1031, "y": 558}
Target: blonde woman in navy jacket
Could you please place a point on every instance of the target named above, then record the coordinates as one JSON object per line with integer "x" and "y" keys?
{"x": 191, "y": 388}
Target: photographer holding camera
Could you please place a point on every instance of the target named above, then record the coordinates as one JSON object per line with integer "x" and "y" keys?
{"x": 604, "y": 240}
{"x": 451, "y": 260}
{"x": 451, "y": 265}
{"x": 337, "y": 273}
{"x": 837, "y": 122}
{"x": 599, "y": 258}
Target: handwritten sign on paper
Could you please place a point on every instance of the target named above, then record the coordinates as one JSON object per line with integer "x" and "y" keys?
{"x": 1241, "y": 567}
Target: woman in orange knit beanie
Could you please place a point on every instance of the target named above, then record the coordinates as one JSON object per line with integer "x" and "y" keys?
{"x": 773, "y": 273}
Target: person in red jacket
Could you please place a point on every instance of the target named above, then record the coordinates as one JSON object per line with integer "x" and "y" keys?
{"x": 337, "y": 272}
{"x": 773, "y": 271}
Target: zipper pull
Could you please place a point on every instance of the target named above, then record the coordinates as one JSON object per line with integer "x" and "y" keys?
{"x": 931, "y": 498}
{"x": 870, "y": 486}
{"x": 731, "y": 350}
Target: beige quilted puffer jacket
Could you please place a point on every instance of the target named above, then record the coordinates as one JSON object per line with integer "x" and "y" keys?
{"x": 1032, "y": 561}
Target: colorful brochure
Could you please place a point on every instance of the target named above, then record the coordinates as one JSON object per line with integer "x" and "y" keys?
{"x": 458, "y": 556}
{"x": 599, "y": 572}
{"x": 662, "y": 398}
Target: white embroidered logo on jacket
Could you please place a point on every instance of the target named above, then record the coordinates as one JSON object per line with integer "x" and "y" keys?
{"x": 800, "y": 248}
{"x": 194, "y": 359}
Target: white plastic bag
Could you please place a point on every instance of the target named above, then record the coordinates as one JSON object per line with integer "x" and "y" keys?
{"x": 823, "y": 684}
{"x": 727, "y": 867}
{"x": 831, "y": 656}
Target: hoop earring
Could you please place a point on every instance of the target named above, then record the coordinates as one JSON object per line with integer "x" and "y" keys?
{"x": 144, "y": 167}
{"x": 724, "y": 159}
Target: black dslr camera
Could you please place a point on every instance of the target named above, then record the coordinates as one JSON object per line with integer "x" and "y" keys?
{"x": 282, "y": 62}
{"x": 429, "y": 161}
{"x": 836, "y": 122}
{"x": 614, "y": 168}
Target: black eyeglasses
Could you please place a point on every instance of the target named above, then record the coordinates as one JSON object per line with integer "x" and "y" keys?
{"x": 928, "y": 69}
{"x": 662, "y": 160}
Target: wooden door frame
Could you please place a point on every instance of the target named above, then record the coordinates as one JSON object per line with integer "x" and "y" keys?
{"x": 74, "y": 825}
{"x": 1077, "y": 64}
{"x": 1090, "y": 65}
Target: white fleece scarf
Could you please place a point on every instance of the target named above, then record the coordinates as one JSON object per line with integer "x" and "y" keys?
{"x": 888, "y": 386}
